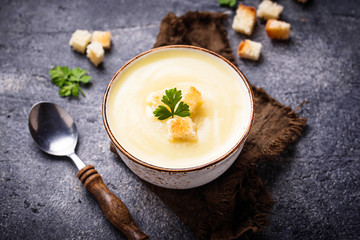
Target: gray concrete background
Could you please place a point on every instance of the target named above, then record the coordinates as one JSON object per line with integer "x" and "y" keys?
{"x": 316, "y": 187}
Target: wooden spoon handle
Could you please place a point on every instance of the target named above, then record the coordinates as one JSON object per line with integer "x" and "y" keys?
{"x": 114, "y": 209}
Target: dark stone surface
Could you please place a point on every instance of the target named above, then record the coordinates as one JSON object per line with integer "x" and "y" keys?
{"x": 316, "y": 186}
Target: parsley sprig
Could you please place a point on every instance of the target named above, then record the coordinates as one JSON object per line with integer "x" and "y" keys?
{"x": 69, "y": 80}
{"x": 171, "y": 99}
{"x": 229, "y": 3}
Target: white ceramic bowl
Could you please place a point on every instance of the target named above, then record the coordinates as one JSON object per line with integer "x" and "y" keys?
{"x": 179, "y": 178}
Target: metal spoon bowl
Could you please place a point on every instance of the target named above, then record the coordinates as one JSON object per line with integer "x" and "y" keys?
{"x": 55, "y": 132}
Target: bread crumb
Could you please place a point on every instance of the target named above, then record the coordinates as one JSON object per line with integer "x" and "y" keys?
{"x": 269, "y": 10}
{"x": 95, "y": 53}
{"x": 79, "y": 40}
{"x": 276, "y": 29}
{"x": 245, "y": 19}
{"x": 181, "y": 128}
{"x": 249, "y": 49}
{"x": 104, "y": 38}
{"x": 192, "y": 97}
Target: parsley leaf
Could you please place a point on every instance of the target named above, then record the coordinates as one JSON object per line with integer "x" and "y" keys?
{"x": 171, "y": 99}
{"x": 69, "y": 80}
{"x": 59, "y": 74}
{"x": 182, "y": 110}
{"x": 229, "y": 3}
{"x": 161, "y": 112}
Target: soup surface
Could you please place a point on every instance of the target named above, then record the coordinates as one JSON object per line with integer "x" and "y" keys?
{"x": 220, "y": 122}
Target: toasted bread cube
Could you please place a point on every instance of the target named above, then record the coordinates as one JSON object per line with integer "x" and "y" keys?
{"x": 269, "y": 10}
{"x": 104, "y": 38}
{"x": 154, "y": 99}
{"x": 249, "y": 49}
{"x": 181, "y": 128}
{"x": 276, "y": 29}
{"x": 192, "y": 97}
{"x": 95, "y": 53}
{"x": 245, "y": 19}
{"x": 79, "y": 40}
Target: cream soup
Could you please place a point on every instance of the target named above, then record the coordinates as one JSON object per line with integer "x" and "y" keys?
{"x": 221, "y": 121}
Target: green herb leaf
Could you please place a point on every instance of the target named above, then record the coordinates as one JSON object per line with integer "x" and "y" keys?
{"x": 78, "y": 72}
{"x": 58, "y": 81}
{"x": 85, "y": 79}
{"x": 69, "y": 80}
{"x": 229, "y": 3}
{"x": 75, "y": 90}
{"x": 171, "y": 99}
{"x": 59, "y": 75}
{"x": 161, "y": 112}
{"x": 65, "y": 90}
{"x": 182, "y": 110}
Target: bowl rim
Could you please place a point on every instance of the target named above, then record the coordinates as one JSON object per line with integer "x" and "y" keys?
{"x": 189, "y": 169}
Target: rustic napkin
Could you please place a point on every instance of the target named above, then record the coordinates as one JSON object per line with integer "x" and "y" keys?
{"x": 237, "y": 203}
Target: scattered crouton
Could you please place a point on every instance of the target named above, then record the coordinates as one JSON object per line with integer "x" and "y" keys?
{"x": 181, "y": 128}
{"x": 95, "y": 53}
{"x": 276, "y": 29}
{"x": 302, "y": 1}
{"x": 104, "y": 38}
{"x": 79, "y": 40}
{"x": 249, "y": 49}
{"x": 245, "y": 19}
{"x": 269, "y": 10}
{"x": 192, "y": 97}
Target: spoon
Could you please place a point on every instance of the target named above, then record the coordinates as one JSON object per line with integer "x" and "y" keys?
{"x": 54, "y": 131}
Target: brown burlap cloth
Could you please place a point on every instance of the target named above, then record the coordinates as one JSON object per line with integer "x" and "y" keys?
{"x": 237, "y": 203}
